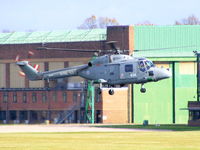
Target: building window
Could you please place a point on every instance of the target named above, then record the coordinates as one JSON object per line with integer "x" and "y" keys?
{"x": 44, "y": 97}
{"x": 2, "y": 115}
{"x": 54, "y": 96}
{"x": 5, "y": 97}
{"x": 14, "y": 97}
{"x": 64, "y": 97}
{"x": 194, "y": 115}
{"x": 24, "y": 98}
{"x": 82, "y": 99}
{"x": 34, "y": 97}
{"x": 75, "y": 97}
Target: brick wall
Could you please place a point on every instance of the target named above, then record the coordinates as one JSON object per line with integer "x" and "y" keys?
{"x": 51, "y": 102}
{"x": 116, "y": 107}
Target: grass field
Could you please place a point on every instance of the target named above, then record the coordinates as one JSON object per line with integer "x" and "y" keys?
{"x": 176, "y": 127}
{"x": 144, "y": 140}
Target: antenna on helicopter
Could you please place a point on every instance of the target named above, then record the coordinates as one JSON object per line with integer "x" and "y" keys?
{"x": 114, "y": 48}
{"x": 112, "y": 45}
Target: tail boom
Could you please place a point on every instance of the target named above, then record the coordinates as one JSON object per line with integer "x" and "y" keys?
{"x": 31, "y": 72}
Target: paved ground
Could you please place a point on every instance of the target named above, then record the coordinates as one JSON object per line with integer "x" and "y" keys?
{"x": 59, "y": 128}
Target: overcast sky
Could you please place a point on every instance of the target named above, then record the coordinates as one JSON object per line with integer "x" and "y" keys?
{"x": 49, "y": 15}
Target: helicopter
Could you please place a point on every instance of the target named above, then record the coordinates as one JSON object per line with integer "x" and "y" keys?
{"x": 109, "y": 69}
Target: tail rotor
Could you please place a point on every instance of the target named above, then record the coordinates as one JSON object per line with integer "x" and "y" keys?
{"x": 30, "y": 54}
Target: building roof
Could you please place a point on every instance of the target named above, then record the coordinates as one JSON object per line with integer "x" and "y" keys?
{"x": 53, "y": 36}
{"x": 167, "y": 41}
{"x": 175, "y": 41}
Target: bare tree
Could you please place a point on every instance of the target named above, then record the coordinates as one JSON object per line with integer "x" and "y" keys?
{"x": 6, "y": 31}
{"x": 89, "y": 23}
{"x": 102, "y": 22}
{"x": 105, "y": 21}
{"x": 190, "y": 20}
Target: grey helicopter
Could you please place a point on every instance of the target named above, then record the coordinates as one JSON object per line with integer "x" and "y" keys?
{"x": 109, "y": 69}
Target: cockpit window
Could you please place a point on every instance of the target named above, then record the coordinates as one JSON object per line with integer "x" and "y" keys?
{"x": 142, "y": 66}
{"x": 148, "y": 64}
{"x": 145, "y": 64}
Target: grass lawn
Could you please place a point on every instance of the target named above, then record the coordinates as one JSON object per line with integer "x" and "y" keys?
{"x": 172, "y": 127}
{"x": 143, "y": 140}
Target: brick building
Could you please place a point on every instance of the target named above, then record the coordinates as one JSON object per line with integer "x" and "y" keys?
{"x": 24, "y": 101}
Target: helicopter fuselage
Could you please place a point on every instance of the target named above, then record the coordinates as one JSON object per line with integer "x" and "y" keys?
{"x": 107, "y": 69}
{"x": 123, "y": 69}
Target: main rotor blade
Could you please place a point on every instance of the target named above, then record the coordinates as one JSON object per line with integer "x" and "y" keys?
{"x": 69, "y": 50}
{"x": 157, "y": 49}
{"x": 81, "y": 50}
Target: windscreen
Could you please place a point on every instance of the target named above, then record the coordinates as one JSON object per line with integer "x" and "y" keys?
{"x": 145, "y": 65}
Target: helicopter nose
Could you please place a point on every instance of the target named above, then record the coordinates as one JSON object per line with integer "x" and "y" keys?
{"x": 162, "y": 73}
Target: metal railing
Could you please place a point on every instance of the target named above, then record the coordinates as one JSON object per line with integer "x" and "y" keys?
{"x": 67, "y": 113}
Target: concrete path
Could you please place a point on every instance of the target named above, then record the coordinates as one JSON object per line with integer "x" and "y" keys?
{"x": 60, "y": 128}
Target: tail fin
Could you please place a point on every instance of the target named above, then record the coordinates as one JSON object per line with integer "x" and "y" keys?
{"x": 31, "y": 72}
